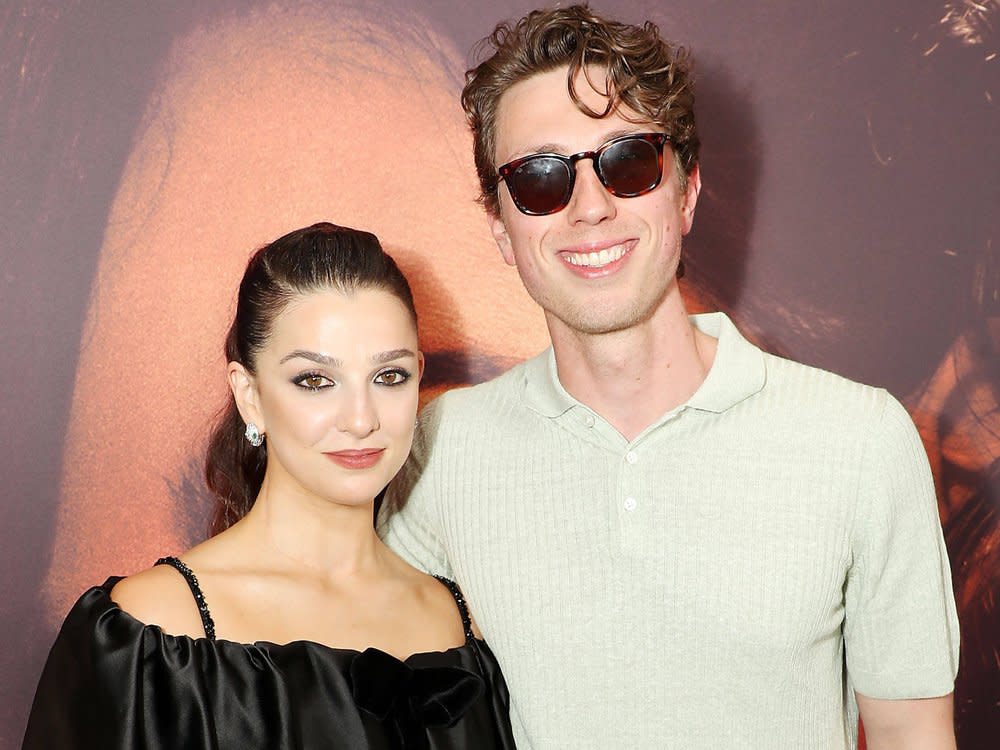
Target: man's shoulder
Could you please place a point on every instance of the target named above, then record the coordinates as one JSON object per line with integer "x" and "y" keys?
{"x": 790, "y": 371}
{"x": 822, "y": 393}
{"x": 472, "y": 402}
{"x": 760, "y": 381}
{"x": 824, "y": 418}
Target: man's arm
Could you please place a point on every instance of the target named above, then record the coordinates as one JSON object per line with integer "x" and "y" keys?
{"x": 900, "y": 626}
{"x": 915, "y": 724}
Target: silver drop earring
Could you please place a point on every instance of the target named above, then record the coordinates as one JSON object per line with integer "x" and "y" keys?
{"x": 253, "y": 435}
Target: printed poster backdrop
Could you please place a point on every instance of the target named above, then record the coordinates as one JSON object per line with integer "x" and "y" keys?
{"x": 848, "y": 219}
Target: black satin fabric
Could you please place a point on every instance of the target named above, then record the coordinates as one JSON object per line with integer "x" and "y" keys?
{"x": 112, "y": 682}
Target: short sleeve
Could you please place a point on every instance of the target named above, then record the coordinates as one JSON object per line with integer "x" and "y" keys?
{"x": 409, "y": 517}
{"x": 900, "y": 626}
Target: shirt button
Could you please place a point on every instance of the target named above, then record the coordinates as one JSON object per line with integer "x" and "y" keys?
{"x": 630, "y": 504}
{"x": 631, "y": 457}
{"x": 589, "y": 420}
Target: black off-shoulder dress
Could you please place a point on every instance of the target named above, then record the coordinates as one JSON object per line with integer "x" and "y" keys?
{"x": 112, "y": 682}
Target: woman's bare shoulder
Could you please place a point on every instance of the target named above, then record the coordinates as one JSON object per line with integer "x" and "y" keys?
{"x": 160, "y": 596}
{"x": 439, "y": 599}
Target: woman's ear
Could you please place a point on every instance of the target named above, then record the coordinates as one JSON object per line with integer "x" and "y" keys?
{"x": 244, "y": 388}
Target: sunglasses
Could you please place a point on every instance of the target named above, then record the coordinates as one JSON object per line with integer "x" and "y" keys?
{"x": 629, "y": 166}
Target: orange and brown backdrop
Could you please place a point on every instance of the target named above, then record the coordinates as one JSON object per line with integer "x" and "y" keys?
{"x": 849, "y": 219}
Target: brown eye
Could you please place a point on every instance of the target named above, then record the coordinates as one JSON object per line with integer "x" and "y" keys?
{"x": 392, "y": 377}
{"x": 312, "y": 381}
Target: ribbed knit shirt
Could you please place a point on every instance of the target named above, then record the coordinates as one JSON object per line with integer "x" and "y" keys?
{"x": 725, "y": 580}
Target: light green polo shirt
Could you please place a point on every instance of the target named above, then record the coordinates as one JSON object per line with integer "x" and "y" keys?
{"x": 724, "y": 580}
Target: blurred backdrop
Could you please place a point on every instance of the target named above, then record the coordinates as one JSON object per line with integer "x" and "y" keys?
{"x": 849, "y": 218}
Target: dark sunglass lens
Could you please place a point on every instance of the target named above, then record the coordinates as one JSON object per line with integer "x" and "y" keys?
{"x": 540, "y": 185}
{"x": 631, "y": 167}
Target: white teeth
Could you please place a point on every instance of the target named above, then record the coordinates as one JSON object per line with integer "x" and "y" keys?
{"x": 596, "y": 259}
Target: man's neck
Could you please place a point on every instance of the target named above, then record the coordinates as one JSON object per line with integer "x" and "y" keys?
{"x": 635, "y": 376}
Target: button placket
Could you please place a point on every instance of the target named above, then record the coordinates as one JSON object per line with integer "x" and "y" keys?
{"x": 628, "y": 482}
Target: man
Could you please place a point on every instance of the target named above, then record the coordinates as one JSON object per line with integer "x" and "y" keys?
{"x": 669, "y": 537}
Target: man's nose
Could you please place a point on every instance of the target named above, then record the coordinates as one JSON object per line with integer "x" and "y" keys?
{"x": 591, "y": 203}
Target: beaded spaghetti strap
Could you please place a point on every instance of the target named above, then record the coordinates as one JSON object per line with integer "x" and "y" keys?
{"x": 199, "y": 598}
{"x": 463, "y": 608}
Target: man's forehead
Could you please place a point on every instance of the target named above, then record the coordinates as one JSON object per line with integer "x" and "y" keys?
{"x": 538, "y": 114}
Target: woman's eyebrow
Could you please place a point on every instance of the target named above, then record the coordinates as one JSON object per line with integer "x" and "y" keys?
{"x": 392, "y": 354}
{"x": 320, "y": 359}
{"x": 328, "y": 361}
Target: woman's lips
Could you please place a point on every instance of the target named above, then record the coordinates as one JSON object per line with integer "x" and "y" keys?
{"x": 356, "y": 459}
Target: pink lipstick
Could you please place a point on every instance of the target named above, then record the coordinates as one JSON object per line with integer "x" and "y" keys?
{"x": 356, "y": 459}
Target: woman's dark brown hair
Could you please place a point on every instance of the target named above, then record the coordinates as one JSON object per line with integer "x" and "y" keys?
{"x": 642, "y": 71}
{"x": 322, "y": 256}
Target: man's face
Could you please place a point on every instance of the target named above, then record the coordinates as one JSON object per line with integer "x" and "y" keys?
{"x": 637, "y": 241}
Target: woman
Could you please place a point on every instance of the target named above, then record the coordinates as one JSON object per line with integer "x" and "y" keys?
{"x": 293, "y": 626}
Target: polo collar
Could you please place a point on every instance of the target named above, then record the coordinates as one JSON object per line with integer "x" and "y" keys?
{"x": 543, "y": 392}
{"x": 737, "y": 373}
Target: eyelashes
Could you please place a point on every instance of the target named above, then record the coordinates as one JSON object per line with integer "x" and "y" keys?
{"x": 312, "y": 381}
{"x": 391, "y": 377}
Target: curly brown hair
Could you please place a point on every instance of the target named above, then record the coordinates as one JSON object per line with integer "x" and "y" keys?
{"x": 645, "y": 73}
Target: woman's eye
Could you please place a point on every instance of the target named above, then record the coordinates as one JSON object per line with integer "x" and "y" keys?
{"x": 392, "y": 377}
{"x": 313, "y": 381}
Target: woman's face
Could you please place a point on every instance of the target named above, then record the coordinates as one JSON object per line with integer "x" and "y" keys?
{"x": 335, "y": 392}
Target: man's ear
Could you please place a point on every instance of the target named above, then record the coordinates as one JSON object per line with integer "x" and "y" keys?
{"x": 691, "y": 198}
{"x": 499, "y": 231}
{"x": 244, "y": 388}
